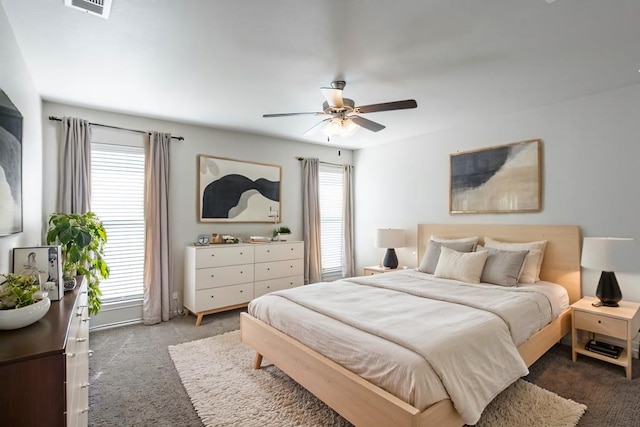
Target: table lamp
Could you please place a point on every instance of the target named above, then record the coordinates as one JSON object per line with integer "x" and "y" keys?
{"x": 390, "y": 238}
{"x": 607, "y": 254}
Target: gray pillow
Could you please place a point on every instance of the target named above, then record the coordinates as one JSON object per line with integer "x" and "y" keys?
{"x": 502, "y": 267}
{"x": 432, "y": 254}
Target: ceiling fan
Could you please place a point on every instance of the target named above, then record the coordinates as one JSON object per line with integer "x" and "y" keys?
{"x": 343, "y": 115}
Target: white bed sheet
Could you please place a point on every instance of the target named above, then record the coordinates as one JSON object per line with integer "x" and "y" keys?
{"x": 392, "y": 366}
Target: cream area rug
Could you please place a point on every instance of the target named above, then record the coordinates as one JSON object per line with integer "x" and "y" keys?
{"x": 226, "y": 391}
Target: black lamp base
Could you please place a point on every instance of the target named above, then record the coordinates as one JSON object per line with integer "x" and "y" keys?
{"x": 390, "y": 259}
{"x": 608, "y": 290}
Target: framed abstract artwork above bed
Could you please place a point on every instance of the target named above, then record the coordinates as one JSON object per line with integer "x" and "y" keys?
{"x": 237, "y": 191}
{"x": 500, "y": 179}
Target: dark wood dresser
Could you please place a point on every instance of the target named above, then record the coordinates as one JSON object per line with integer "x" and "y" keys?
{"x": 44, "y": 367}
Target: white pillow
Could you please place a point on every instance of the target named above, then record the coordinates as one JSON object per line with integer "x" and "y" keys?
{"x": 532, "y": 262}
{"x": 463, "y": 266}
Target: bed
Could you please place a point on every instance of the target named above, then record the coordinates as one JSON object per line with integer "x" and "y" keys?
{"x": 363, "y": 403}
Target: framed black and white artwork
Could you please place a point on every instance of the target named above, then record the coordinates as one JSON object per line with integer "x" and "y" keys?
{"x": 237, "y": 191}
{"x": 10, "y": 167}
{"x": 43, "y": 262}
{"x": 498, "y": 179}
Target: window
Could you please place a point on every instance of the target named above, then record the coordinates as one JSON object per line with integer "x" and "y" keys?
{"x": 330, "y": 187}
{"x": 117, "y": 197}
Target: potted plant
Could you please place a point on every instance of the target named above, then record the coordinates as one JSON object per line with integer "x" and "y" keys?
{"x": 82, "y": 238}
{"x": 21, "y": 303}
{"x": 281, "y": 233}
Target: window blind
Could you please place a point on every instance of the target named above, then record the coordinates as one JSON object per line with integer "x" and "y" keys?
{"x": 117, "y": 197}
{"x": 330, "y": 188}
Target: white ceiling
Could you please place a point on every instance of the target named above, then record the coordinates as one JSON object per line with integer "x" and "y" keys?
{"x": 225, "y": 63}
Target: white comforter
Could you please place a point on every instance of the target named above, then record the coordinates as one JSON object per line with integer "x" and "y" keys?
{"x": 422, "y": 339}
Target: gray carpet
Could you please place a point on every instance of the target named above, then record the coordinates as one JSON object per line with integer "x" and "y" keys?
{"x": 134, "y": 383}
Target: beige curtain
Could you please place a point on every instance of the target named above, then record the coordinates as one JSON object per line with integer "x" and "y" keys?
{"x": 348, "y": 253}
{"x": 157, "y": 252}
{"x": 311, "y": 221}
{"x": 74, "y": 166}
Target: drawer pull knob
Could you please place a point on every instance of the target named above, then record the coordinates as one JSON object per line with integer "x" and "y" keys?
{"x": 213, "y": 275}
{"x": 268, "y": 250}
{"x": 87, "y": 319}
{"x": 241, "y": 291}
{"x": 241, "y": 271}
{"x": 268, "y": 269}
{"x": 213, "y": 254}
{"x": 81, "y": 339}
{"x": 84, "y": 410}
{"x": 268, "y": 287}
{"x": 211, "y": 296}
{"x": 599, "y": 321}
{"x": 90, "y": 352}
{"x": 71, "y": 355}
{"x": 85, "y": 385}
{"x": 241, "y": 253}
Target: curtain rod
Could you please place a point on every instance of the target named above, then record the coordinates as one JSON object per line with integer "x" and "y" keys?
{"x": 179, "y": 138}
{"x": 319, "y": 161}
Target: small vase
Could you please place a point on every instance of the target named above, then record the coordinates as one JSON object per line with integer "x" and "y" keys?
{"x": 69, "y": 283}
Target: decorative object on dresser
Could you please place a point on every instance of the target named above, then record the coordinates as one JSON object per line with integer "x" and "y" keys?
{"x": 10, "y": 167}
{"x": 281, "y": 233}
{"x": 203, "y": 240}
{"x": 227, "y": 277}
{"x": 390, "y": 238}
{"x": 376, "y": 269}
{"x": 21, "y": 302}
{"x": 607, "y": 254}
{"x": 225, "y": 186}
{"x": 45, "y": 264}
{"x": 504, "y": 178}
{"x": 616, "y": 323}
{"x": 45, "y": 367}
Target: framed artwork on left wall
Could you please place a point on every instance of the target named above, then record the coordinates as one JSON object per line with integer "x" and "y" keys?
{"x": 10, "y": 167}
{"x": 237, "y": 191}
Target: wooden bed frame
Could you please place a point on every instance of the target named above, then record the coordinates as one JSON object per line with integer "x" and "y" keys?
{"x": 365, "y": 404}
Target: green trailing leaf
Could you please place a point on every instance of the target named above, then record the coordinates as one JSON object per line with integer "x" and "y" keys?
{"x": 82, "y": 237}
{"x": 17, "y": 291}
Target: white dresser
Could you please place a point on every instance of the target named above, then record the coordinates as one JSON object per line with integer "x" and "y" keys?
{"x": 225, "y": 277}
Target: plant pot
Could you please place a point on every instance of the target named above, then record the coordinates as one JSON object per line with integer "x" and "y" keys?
{"x": 24, "y": 316}
{"x": 282, "y": 237}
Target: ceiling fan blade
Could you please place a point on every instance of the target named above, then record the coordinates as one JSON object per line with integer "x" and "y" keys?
{"x": 367, "y": 124}
{"x": 333, "y": 96}
{"x": 317, "y": 126}
{"x": 315, "y": 113}
{"x": 386, "y": 106}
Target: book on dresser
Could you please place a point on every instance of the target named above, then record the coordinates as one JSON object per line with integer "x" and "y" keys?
{"x": 225, "y": 277}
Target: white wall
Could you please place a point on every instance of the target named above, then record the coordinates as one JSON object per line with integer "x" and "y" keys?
{"x": 590, "y": 151}
{"x": 16, "y": 82}
{"x": 184, "y": 170}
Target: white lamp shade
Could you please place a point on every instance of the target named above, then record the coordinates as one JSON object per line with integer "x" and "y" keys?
{"x": 606, "y": 253}
{"x": 389, "y": 238}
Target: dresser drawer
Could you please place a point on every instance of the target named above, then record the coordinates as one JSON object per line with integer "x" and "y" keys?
{"x": 220, "y": 256}
{"x": 266, "y": 286}
{"x": 210, "y": 299}
{"x": 600, "y": 324}
{"x": 273, "y": 270}
{"x": 223, "y": 276}
{"x": 279, "y": 251}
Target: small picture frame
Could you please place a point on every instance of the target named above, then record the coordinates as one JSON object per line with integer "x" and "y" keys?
{"x": 44, "y": 262}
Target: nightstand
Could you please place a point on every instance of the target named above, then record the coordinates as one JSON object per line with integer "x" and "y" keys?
{"x": 376, "y": 269}
{"x": 616, "y": 322}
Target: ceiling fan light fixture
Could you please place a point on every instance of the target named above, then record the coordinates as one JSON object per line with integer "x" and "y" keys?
{"x": 340, "y": 127}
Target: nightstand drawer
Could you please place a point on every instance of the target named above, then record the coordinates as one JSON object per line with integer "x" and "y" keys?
{"x": 600, "y": 324}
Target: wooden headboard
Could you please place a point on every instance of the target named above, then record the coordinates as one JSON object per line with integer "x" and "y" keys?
{"x": 561, "y": 262}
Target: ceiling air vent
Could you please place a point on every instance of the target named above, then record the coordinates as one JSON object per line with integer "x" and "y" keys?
{"x": 99, "y": 8}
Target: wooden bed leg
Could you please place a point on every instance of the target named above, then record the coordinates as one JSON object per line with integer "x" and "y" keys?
{"x": 199, "y": 319}
{"x": 257, "y": 361}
